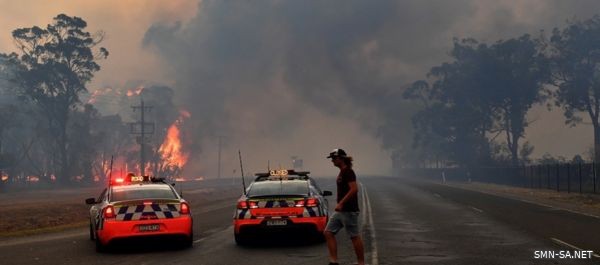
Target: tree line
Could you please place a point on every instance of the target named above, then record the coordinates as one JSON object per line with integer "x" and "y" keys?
{"x": 473, "y": 109}
{"x": 46, "y": 129}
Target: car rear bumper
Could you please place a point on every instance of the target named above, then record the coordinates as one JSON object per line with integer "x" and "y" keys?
{"x": 257, "y": 225}
{"x": 113, "y": 229}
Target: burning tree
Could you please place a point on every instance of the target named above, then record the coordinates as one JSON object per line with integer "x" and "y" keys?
{"x": 171, "y": 152}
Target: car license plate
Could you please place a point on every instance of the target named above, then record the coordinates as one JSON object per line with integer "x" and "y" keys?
{"x": 276, "y": 222}
{"x": 148, "y": 228}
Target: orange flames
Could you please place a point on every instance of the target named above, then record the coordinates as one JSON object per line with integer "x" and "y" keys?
{"x": 171, "y": 150}
{"x": 135, "y": 92}
{"x": 100, "y": 92}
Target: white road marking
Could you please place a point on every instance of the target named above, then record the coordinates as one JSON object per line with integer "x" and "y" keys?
{"x": 476, "y": 209}
{"x": 374, "y": 253}
{"x": 522, "y": 200}
{"x": 557, "y": 208}
{"x": 565, "y": 244}
{"x": 363, "y": 202}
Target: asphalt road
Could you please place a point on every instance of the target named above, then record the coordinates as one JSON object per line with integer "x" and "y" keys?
{"x": 405, "y": 222}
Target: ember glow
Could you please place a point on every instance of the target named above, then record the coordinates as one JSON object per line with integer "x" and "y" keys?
{"x": 135, "y": 91}
{"x": 99, "y": 93}
{"x": 171, "y": 149}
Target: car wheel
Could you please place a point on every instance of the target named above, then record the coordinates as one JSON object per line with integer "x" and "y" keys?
{"x": 240, "y": 239}
{"x": 92, "y": 237}
{"x": 319, "y": 237}
{"x": 99, "y": 246}
{"x": 189, "y": 241}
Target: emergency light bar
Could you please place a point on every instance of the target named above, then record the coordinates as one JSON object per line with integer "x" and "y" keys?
{"x": 130, "y": 178}
{"x": 281, "y": 174}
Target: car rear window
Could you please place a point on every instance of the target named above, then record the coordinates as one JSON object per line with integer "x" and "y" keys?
{"x": 278, "y": 188}
{"x": 126, "y": 193}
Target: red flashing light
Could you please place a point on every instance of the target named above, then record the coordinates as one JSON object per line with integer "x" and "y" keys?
{"x": 109, "y": 212}
{"x": 148, "y": 203}
{"x": 252, "y": 205}
{"x": 300, "y": 203}
{"x": 312, "y": 202}
{"x": 242, "y": 205}
{"x": 119, "y": 180}
{"x": 185, "y": 208}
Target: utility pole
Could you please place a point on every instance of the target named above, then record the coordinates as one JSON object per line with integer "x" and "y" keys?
{"x": 142, "y": 128}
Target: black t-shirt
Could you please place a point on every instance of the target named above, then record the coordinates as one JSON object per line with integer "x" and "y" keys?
{"x": 344, "y": 178}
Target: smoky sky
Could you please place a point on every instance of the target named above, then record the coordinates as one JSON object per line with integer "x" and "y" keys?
{"x": 271, "y": 69}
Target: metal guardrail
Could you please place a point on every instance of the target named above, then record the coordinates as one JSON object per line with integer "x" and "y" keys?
{"x": 562, "y": 177}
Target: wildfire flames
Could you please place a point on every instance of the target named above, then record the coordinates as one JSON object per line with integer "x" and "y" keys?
{"x": 135, "y": 91}
{"x": 99, "y": 93}
{"x": 171, "y": 149}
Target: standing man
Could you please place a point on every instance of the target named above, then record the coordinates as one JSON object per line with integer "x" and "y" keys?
{"x": 346, "y": 210}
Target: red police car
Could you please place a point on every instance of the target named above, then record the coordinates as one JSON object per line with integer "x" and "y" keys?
{"x": 139, "y": 206}
{"x": 281, "y": 200}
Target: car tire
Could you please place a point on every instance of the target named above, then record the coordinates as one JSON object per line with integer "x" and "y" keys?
{"x": 92, "y": 236}
{"x": 189, "y": 240}
{"x": 240, "y": 239}
{"x": 319, "y": 237}
{"x": 100, "y": 248}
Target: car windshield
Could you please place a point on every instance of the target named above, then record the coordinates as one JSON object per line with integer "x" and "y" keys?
{"x": 278, "y": 188}
{"x": 124, "y": 193}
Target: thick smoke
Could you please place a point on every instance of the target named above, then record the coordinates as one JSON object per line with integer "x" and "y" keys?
{"x": 281, "y": 78}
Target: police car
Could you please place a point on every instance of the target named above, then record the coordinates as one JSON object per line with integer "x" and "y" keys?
{"x": 138, "y": 206}
{"x": 280, "y": 201}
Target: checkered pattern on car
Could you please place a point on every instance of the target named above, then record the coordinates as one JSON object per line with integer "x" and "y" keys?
{"x": 308, "y": 211}
{"x": 145, "y": 212}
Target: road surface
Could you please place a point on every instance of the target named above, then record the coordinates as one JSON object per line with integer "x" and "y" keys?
{"x": 404, "y": 222}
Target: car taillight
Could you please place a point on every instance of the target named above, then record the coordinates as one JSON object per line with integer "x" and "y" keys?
{"x": 300, "y": 203}
{"x": 109, "y": 212}
{"x": 242, "y": 205}
{"x": 252, "y": 205}
{"x": 312, "y": 202}
{"x": 185, "y": 208}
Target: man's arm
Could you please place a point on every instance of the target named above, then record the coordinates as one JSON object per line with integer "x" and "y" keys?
{"x": 352, "y": 192}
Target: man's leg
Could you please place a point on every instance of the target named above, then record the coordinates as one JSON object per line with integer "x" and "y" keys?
{"x": 353, "y": 229}
{"x": 333, "y": 226}
{"x": 359, "y": 249}
{"x": 332, "y": 246}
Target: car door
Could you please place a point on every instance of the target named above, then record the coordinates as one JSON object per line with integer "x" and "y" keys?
{"x": 96, "y": 209}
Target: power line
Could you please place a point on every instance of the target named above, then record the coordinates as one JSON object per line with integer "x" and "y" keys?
{"x": 142, "y": 128}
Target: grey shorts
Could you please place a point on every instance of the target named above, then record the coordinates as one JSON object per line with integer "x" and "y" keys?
{"x": 349, "y": 220}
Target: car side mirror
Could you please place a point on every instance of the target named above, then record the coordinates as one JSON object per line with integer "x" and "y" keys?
{"x": 90, "y": 201}
{"x": 327, "y": 193}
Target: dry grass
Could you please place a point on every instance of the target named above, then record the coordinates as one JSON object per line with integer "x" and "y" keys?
{"x": 36, "y": 212}
{"x": 583, "y": 203}
{"x": 30, "y": 213}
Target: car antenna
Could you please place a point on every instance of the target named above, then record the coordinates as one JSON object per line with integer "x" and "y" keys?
{"x": 242, "y": 170}
{"x": 181, "y": 188}
{"x": 110, "y": 174}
